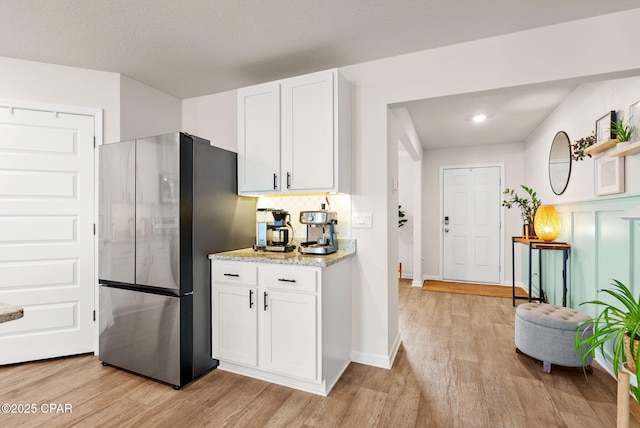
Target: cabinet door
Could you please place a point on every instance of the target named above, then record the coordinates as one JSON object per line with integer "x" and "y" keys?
{"x": 157, "y": 215}
{"x": 308, "y": 132}
{"x": 117, "y": 211}
{"x": 259, "y": 138}
{"x": 235, "y": 324}
{"x": 289, "y": 333}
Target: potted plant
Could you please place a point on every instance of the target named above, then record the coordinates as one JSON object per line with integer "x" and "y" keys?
{"x": 580, "y": 145}
{"x": 623, "y": 132}
{"x": 401, "y": 220}
{"x": 615, "y": 324}
{"x": 528, "y": 206}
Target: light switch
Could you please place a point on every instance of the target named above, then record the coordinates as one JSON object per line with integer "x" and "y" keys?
{"x": 362, "y": 220}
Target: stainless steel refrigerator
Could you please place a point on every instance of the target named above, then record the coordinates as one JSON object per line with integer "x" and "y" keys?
{"x": 165, "y": 203}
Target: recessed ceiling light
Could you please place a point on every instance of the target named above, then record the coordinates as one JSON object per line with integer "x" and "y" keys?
{"x": 479, "y": 118}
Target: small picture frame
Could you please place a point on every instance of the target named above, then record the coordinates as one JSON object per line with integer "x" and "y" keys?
{"x": 604, "y": 131}
{"x": 609, "y": 175}
{"x": 634, "y": 120}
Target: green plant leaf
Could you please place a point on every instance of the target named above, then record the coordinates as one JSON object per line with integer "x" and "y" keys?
{"x": 612, "y": 324}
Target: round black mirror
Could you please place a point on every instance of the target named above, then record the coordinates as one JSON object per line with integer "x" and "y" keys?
{"x": 560, "y": 163}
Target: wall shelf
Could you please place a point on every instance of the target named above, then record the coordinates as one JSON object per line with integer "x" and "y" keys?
{"x": 629, "y": 150}
{"x": 599, "y": 147}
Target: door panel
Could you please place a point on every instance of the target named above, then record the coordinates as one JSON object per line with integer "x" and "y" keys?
{"x": 158, "y": 211}
{"x": 46, "y": 233}
{"x": 290, "y": 348}
{"x": 116, "y": 206}
{"x": 471, "y": 207}
{"x": 308, "y": 132}
{"x": 235, "y": 324}
{"x": 259, "y": 138}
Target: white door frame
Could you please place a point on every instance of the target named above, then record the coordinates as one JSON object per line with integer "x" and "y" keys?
{"x": 97, "y": 115}
{"x": 499, "y": 165}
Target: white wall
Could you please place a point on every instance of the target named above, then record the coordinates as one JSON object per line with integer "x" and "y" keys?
{"x": 35, "y": 82}
{"x": 546, "y": 54}
{"x": 145, "y": 111}
{"x": 552, "y": 53}
{"x": 577, "y": 116}
{"x": 214, "y": 117}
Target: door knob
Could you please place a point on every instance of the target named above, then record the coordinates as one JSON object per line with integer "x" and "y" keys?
{"x": 446, "y": 230}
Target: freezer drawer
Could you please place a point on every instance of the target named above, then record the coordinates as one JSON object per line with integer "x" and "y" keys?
{"x": 141, "y": 332}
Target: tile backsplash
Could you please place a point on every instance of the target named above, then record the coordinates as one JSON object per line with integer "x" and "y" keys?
{"x": 340, "y": 203}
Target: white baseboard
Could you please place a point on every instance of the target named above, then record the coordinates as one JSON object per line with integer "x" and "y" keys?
{"x": 319, "y": 388}
{"x": 431, "y": 277}
{"x": 377, "y": 360}
{"x": 416, "y": 283}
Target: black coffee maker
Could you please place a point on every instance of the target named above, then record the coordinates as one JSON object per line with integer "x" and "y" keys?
{"x": 276, "y": 234}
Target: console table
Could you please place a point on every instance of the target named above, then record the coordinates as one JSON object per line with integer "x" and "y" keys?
{"x": 540, "y": 245}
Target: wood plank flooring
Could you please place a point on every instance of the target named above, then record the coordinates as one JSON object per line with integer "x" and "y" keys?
{"x": 475, "y": 289}
{"x": 456, "y": 368}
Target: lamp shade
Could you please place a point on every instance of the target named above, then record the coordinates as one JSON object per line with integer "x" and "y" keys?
{"x": 547, "y": 223}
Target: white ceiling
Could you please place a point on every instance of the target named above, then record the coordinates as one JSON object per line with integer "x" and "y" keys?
{"x": 190, "y": 48}
{"x": 512, "y": 115}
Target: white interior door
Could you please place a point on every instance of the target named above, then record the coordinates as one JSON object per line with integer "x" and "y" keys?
{"x": 471, "y": 224}
{"x": 46, "y": 233}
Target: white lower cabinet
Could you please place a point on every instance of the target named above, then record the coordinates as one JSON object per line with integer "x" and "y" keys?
{"x": 285, "y": 324}
{"x": 235, "y": 319}
{"x": 290, "y": 334}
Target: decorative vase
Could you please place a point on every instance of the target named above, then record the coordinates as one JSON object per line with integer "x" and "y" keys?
{"x": 622, "y": 144}
{"x": 631, "y": 361}
{"x": 528, "y": 231}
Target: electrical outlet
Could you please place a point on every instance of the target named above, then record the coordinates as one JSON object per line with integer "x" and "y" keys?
{"x": 362, "y": 220}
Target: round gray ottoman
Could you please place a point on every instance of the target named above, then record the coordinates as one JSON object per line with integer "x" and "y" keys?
{"x": 547, "y": 333}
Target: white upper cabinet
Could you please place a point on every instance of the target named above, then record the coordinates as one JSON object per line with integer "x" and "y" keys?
{"x": 294, "y": 136}
{"x": 259, "y": 138}
{"x": 308, "y": 140}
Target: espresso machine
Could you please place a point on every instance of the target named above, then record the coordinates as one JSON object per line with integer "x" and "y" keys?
{"x": 273, "y": 231}
{"x": 321, "y": 232}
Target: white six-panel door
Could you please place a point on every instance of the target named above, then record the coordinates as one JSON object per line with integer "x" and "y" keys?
{"x": 471, "y": 224}
{"x": 46, "y": 233}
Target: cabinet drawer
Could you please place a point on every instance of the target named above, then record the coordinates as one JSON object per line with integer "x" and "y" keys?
{"x": 235, "y": 273}
{"x": 290, "y": 279}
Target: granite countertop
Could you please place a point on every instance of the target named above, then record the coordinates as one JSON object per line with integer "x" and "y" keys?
{"x": 290, "y": 258}
{"x": 10, "y": 312}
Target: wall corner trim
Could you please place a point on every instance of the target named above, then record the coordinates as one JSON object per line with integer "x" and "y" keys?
{"x": 378, "y": 360}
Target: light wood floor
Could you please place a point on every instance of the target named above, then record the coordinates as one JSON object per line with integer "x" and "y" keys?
{"x": 475, "y": 289}
{"x": 457, "y": 368}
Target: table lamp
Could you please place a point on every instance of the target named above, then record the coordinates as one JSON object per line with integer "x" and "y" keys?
{"x": 547, "y": 223}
